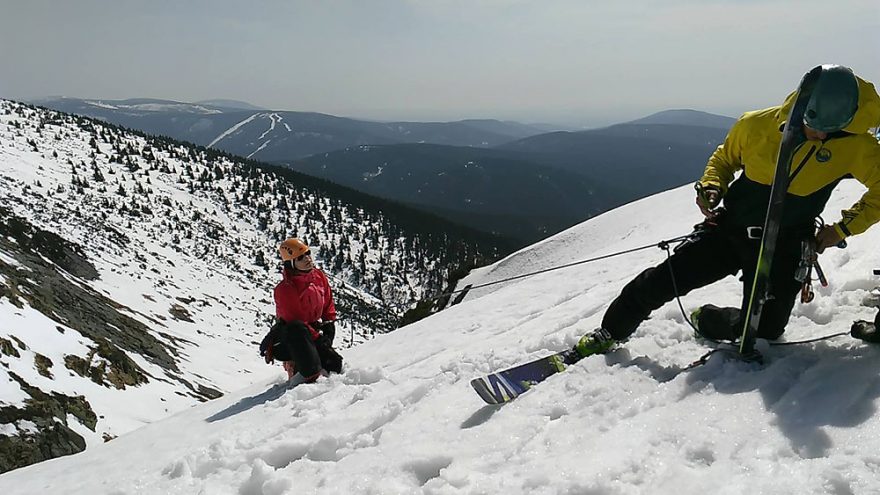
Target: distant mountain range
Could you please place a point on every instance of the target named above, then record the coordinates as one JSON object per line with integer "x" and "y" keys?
{"x": 273, "y": 136}
{"x": 502, "y": 177}
{"x": 487, "y": 189}
{"x": 686, "y": 117}
{"x": 232, "y": 104}
{"x": 529, "y": 188}
{"x": 637, "y": 158}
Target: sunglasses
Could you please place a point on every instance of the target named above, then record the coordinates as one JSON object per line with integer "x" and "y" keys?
{"x": 303, "y": 256}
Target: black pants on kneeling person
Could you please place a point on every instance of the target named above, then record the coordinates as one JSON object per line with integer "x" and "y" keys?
{"x": 293, "y": 342}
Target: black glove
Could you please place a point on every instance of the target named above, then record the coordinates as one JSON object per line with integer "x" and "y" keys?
{"x": 708, "y": 198}
{"x": 865, "y": 330}
{"x": 328, "y": 330}
{"x": 269, "y": 341}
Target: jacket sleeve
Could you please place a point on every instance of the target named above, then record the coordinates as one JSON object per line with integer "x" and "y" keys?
{"x": 329, "y": 311}
{"x": 866, "y": 212}
{"x": 726, "y": 160}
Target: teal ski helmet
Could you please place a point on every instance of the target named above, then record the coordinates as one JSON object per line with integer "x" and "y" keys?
{"x": 834, "y": 100}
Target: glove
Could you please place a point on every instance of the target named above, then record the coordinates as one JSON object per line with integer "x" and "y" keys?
{"x": 268, "y": 356}
{"x": 328, "y": 330}
{"x": 266, "y": 347}
{"x": 708, "y": 198}
{"x": 827, "y": 237}
{"x": 866, "y": 331}
{"x": 269, "y": 342}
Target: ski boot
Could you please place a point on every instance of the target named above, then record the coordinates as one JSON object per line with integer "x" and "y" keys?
{"x": 714, "y": 323}
{"x": 599, "y": 341}
{"x": 865, "y": 330}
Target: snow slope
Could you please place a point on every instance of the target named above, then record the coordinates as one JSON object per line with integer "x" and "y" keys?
{"x": 171, "y": 290}
{"x": 403, "y": 419}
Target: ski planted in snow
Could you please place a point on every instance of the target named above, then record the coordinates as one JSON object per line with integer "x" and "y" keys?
{"x": 792, "y": 138}
{"x": 506, "y": 385}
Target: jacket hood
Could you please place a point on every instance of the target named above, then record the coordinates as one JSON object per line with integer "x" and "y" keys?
{"x": 867, "y": 116}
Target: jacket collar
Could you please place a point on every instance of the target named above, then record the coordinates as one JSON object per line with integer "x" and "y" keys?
{"x": 289, "y": 275}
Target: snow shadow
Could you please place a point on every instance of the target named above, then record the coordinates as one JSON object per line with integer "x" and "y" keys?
{"x": 806, "y": 387}
{"x": 246, "y": 403}
{"x": 624, "y": 358}
{"x": 481, "y": 415}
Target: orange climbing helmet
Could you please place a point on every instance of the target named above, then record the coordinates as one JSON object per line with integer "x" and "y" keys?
{"x": 292, "y": 248}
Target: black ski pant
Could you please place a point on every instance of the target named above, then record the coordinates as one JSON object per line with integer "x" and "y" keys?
{"x": 293, "y": 342}
{"x": 718, "y": 250}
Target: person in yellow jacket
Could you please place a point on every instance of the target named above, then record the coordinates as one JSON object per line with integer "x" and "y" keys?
{"x": 837, "y": 144}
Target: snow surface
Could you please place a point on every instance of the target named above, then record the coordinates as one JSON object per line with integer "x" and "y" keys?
{"x": 402, "y": 418}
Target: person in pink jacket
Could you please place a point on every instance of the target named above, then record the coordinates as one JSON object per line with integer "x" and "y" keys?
{"x": 304, "y": 327}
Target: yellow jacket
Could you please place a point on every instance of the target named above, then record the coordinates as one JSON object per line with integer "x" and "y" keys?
{"x": 752, "y": 145}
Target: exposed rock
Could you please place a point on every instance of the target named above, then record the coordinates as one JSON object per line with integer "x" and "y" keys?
{"x": 43, "y": 364}
{"x": 180, "y": 313}
{"x": 53, "y": 437}
{"x": 7, "y": 349}
{"x": 115, "y": 369}
{"x": 74, "y": 305}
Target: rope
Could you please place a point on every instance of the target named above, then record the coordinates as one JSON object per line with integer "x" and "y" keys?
{"x": 661, "y": 244}
{"x": 384, "y": 306}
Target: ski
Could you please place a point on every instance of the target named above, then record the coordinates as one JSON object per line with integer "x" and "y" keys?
{"x": 506, "y": 385}
{"x": 792, "y": 138}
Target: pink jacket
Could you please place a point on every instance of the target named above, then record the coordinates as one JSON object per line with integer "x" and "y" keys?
{"x": 305, "y": 297}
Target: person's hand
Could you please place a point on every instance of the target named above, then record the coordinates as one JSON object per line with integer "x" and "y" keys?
{"x": 269, "y": 341}
{"x": 708, "y": 198}
{"x": 827, "y": 237}
{"x": 266, "y": 352}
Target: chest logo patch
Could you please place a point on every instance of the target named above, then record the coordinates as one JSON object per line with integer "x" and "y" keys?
{"x": 823, "y": 155}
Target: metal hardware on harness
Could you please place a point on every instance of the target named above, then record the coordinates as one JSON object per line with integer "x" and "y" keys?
{"x": 755, "y": 232}
{"x": 820, "y": 274}
{"x": 808, "y": 258}
{"x": 804, "y": 273}
{"x": 807, "y": 294}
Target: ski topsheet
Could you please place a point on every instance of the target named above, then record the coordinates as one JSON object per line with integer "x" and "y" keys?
{"x": 506, "y": 385}
{"x": 792, "y": 138}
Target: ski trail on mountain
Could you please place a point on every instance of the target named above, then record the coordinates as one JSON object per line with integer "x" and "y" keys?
{"x": 231, "y": 130}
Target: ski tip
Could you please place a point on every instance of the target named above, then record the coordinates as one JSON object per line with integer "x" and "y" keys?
{"x": 482, "y": 389}
{"x": 493, "y": 395}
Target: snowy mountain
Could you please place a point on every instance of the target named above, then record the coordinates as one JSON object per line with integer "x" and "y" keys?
{"x": 403, "y": 419}
{"x": 136, "y": 274}
{"x": 278, "y": 136}
{"x": 230, "y": 104}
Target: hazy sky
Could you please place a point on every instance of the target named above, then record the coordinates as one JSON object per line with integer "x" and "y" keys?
{"x": 580, "y": 62}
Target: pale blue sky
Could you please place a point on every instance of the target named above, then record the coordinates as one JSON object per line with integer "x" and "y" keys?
{"x": 579, "y": 62}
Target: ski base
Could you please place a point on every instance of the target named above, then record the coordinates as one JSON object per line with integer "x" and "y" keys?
{"x": 506, "y": 385}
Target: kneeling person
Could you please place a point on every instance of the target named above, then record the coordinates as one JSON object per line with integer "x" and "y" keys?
{"x": 303, "y": 333}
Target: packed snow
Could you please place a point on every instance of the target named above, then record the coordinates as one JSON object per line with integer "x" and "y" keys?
{"x": 402, "y": 417}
